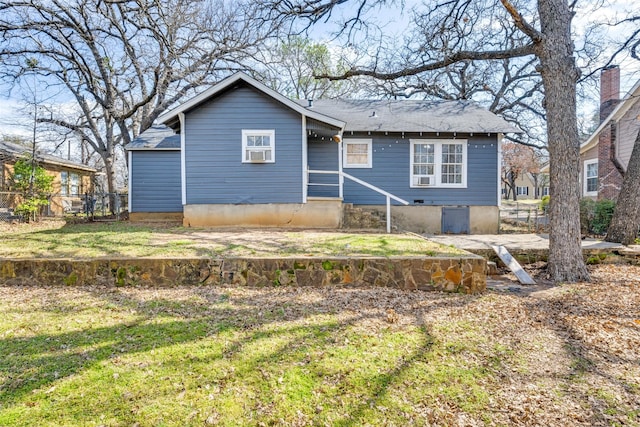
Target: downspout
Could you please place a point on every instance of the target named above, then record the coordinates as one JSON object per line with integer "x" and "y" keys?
{"x": 129, "y": 158}
{"x": 340, "y": 176}
{"x": 183, "y": 168}
{"x": 500, "y": 137}
{"x": 305, "y": 160}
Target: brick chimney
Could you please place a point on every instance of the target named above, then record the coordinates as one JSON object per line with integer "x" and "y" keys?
{"x": 609, "y": 176}
{"x": 609, "y": 90}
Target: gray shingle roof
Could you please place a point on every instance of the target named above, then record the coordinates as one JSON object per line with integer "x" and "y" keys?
{"x": 412, "y": 116}
{"x": 157, "y": 137}
{"x": 390, "y": 116}
{"x": 14, "y": 151}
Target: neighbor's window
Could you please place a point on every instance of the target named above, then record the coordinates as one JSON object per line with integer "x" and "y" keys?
{"x": 545, "y": 191}
{"x": 258, "y": 146}
{"x": 64, "y": 183}
{"x": 74, "y": 184}
{"x": 70, "y": 184}
{"x": 438, "y": 163}
{"x": 591, "y": 177}
{"x": 522, "y": 191}
{"x": 357, "y": 153}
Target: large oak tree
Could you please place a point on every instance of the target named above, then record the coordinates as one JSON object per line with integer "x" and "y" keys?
{"x": 545, "y": 30}
{"x": 121, "y": 63}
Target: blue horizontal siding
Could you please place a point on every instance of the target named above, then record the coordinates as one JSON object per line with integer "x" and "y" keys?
{"x": 155, "y": 181}
{"x": 213, "y": 156}
{"x": 323, "y": 155}
{"x": 391, "y": 172}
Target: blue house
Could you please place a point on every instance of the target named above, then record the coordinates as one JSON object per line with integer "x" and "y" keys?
{"x": 241, "y": 154}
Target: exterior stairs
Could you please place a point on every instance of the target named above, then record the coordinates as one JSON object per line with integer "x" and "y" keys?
{"x": 361, "y": 218}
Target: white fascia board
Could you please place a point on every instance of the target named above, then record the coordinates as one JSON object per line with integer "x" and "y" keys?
{"x": 621, "y": 109}
{"x": 152, "y": 149}
{"x": 229, "y": 81}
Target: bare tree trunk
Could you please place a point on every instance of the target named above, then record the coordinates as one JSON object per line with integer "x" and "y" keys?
{"x": 110, "y": 170}
{"x": 626, "y": 218}
{"x": 559, "y": 74}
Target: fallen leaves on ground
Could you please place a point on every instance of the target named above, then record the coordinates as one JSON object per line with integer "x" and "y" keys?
{"x": 554, "y": 356}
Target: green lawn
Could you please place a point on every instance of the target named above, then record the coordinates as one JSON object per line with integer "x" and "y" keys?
{"x": 97, "y": 356}
{"x": 57, "y": 239}
{"x": 209, "y": 355}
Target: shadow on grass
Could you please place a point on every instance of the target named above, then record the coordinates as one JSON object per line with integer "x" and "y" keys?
{"x": 263, "y": 338}
{"x": 112, "y": 239}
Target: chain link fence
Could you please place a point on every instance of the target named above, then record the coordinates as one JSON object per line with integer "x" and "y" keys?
{"x": 524, "y": 217}
{"x": 102, "y": 206}
{"x": 8, "y": 202}
{"x": 95, "y": 206}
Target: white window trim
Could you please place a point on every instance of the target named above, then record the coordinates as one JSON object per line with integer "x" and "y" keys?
{"x": 585, "y": 179}
{"x": 438, "y": 162}
{"x": 522, "y": 190}
{"x": 271, "y": 133}
{"x": 346, "y": 164}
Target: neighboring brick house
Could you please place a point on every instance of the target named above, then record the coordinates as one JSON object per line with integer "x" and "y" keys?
{"x": 71, "y": 179}
{"x": 604, "y": 156}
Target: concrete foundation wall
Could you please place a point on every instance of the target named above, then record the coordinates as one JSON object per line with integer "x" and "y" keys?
{"x": 314, "y": 214}
{"x": 484, "y": 219}
{"x": 155, "y": 216}
{"x": 428, "y": 219}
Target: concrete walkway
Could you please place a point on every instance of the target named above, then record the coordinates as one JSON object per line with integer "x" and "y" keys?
{"x": 516, "y": 242}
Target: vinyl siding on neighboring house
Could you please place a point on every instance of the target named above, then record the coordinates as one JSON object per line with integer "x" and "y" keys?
{"x": 628, "y": 128}
{"x": 155, "y": 181}
{"x": 391, "y": 172}
{"x": 214, "y": 170}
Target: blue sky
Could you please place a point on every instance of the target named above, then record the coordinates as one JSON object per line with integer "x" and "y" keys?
{"x": 393, "y": 22}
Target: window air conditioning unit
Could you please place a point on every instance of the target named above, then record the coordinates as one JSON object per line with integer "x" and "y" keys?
{"x": 257, "y": 156}
{"x": 425, "y": 181}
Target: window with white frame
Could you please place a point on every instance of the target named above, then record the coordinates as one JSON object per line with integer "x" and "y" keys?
{"x": 590, "y": 181}
{"x": 522, "y": 191}
{"x": 357, "y": 153}
{"x": 545, "y": 191}
{"x": 258, "y": 146}
{"x": 64, "y": 183}
{"x": 439, "y": 163}
{"x": 74, "y": 184}
{"x": 70, "y": 184}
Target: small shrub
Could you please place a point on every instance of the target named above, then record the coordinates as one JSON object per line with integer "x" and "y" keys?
{"x": 544, "y": 203}
{"x": 602, "y": 216}
{"x": 595, "y": 216}
{"x": 587, "y": 210}
{"x": 34, "y": 184}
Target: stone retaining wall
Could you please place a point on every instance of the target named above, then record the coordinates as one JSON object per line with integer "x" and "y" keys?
{"x": 466, "y": 275}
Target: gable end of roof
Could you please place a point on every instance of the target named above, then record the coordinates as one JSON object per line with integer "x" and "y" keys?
{"x": 171, "y": 116}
